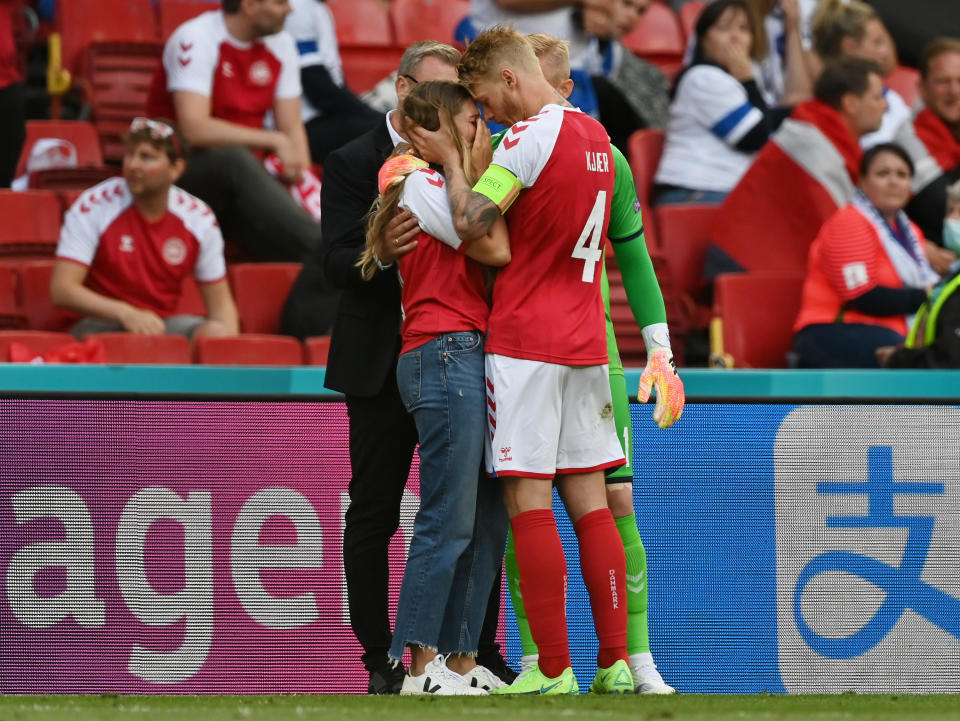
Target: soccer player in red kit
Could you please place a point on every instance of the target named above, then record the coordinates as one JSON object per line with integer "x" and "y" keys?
{"x": 550, "y": 409}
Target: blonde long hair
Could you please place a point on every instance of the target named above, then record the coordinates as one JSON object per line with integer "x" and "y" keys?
{"x": 422, "y": 107}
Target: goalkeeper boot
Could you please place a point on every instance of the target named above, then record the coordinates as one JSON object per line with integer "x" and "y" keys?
{"x": 646, "y": 678}
{"x": 533, "y": 682}
{"x": 613, "y": 679}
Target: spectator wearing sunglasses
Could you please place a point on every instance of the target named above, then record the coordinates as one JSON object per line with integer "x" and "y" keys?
{"x": 128, "y": 243}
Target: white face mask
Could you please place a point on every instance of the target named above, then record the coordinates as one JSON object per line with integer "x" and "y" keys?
{"x": 951, "y": 234}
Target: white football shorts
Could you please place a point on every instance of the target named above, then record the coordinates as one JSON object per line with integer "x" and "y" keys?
{"x": 546, "y": 419}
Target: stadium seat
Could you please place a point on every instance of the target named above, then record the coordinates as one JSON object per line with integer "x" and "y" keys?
{"x": 35, "y": 294}
{"x": 69, "y": 197}
{"x": 71, "y": 179}
{"x": 318, "y": 349}
{"x": 365, "y": 65}
{"x": 658, "y": 38}
{"x": 260, "y": 290}
{"x": 684, "y": 238}
{"x": 171, "y": 14}
{"x": 643, "y": 151}
{"x": 116, "y": 82}
{"x": 361, "y": 22}
{"x": 29, "y": 222}
{"x": 756, "y": 312}
{"x": 36, "y": 340}
{"x": 416, "y": 20}
{"x": 136, "y": 348}
{"x": 82, "y": 135}
{"x": 11, "y": 314}
{"x": 905, "y": 81}
{"x": 249, "y": 350}
{"x": 689, "y": 14}
{"x": 84, "y": 22}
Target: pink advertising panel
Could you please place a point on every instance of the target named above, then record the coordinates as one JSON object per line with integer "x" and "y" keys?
{"x": 177, "y": 547}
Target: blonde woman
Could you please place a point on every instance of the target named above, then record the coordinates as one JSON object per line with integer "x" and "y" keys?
{"x": 460, "y": 529}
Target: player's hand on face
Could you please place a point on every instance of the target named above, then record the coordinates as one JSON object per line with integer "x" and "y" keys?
{"x": 482, "y": 151}
{"x": 660, "y": 374}
{"x": 290, "y": 159}
{"x": 400, "y": 236}
{"x": 436, "y": 146}
{"x": 144, "y": 322}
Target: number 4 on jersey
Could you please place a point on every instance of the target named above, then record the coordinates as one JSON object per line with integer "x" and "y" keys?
{"x": 588, "y": 247}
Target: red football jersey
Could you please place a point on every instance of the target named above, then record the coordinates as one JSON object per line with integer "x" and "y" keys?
{"x": 441, "y": 289}
{"x": 547, "y": 304}
{"x": 140, "y": 262}
{"x": 242, "y": 80}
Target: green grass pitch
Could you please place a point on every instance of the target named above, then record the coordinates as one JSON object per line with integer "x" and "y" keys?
{"x": 583, "y": 708}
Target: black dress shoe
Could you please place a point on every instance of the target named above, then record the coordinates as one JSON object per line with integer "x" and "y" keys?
{"x": 386, "y": 678}
{"x": 497, "y": 665}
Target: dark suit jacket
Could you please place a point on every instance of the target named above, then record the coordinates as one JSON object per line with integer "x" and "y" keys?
{"x": 366, "y": 332}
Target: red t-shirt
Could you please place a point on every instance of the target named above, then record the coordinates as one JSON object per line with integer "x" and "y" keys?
{"x": 441, "y": 289}
{"x": 140, "y": 262}
{"x": 242, "y": 80}
{"x": 547, "y": 304}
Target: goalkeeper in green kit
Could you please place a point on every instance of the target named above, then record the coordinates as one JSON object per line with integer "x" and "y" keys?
{"x": 625, "y": 232}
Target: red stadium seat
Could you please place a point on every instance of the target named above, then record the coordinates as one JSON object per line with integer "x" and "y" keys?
{"x": 29, "y": 222}
{"x": 689, "y": 14}
{"x": 684, "y": 233}
{"x": 80, "y": 134}
{"x": 11, "y": 313}
{"x": 135, "y": 348}
{"x": 171, "y": 14}
{"x": 416, "y": 20}
{"x": 361, "y": 22}
{"x": 82, "y": 22}
{"x": 249, "y": 350}
{"x": 366, "y": 65}
{"x": 756, "y": 312}
{"x": 905, "y": 81}
{"x": 644, "y": 150}
{"x": 35, "y": 293}
{"x": 36, "y": 340}
{"x": 318, "y": 349}
{"x": 71, "y": 179}
{"x": 116, "y": 82}
{"x": 658, "y": 38}
{"x": 260, "y": 290}
{"x": 191, "y": 300}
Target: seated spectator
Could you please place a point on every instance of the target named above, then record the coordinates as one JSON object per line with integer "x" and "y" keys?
{"x": 631, "y": 93}
{"x": 222, "y": 72}
{"x": 867, "y": 273}
{"x": 934, "y": 337}
{"x": 13, "y": 131}
{"x": 933, "y": 141}
{"x": 332, "y": 114}
{"x": 718, "y": 118}
{"x": 128, "y": 243}
{"x": 806, "y": 172}
{"x": 852, "y": 28}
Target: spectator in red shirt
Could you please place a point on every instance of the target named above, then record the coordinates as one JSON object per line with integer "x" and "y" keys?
{"x": 128, "y": 243}
{"x": 12, "y": 126}
{"x": 867, "y": 273}
{"x": 222, "y": 73}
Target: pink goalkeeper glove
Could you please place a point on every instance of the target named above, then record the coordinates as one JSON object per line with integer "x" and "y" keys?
{"x": 661, "y": 374}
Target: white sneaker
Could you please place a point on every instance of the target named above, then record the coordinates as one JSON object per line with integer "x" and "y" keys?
{"x": 646, "y": 678}
{"x": 528, "y": 663}
{"x": 482, "y": 677}
{"x": 438, "y": 679}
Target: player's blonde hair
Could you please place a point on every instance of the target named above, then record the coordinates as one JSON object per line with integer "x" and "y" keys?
{"x": 493, "y": 50}
{"x": 422, "y": 107}
{"x": 554, "y": 53}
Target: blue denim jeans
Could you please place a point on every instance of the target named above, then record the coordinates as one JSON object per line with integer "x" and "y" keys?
{"x": 460, "y": 530}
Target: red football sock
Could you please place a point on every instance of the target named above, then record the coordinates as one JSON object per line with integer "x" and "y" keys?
{"x": 543, "y": 584}
{"x": 604, "y": 569}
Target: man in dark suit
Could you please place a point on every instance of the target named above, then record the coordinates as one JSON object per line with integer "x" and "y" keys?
{"x": 362, "y": 365}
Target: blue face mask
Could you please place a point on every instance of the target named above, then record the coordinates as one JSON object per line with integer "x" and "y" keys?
{"x": 951, "y": 234}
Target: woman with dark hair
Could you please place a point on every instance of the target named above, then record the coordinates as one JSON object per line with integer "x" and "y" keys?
{"x": 867, "y": 273}
{"x": 718, "y": 117}
{"x": 461, "y": 528}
